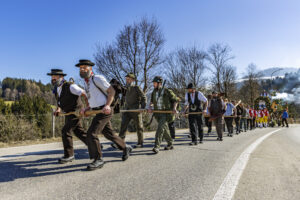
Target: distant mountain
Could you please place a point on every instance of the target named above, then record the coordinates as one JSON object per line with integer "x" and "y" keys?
{"x": 268, "y": 72}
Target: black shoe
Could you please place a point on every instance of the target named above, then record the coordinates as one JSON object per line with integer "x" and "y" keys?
{"x": 191, "y": 144}
{"x": 218, "y": 138}
{"x": 155, "y": 150}
{"x": 126, "y": 153}
{"x": 200, "y": 141}
{"x": 96, "y": 164}
{"x": 189, "y": 136}
{"x": 169, "y": 147}
{"x": 101, "y": 146}
{"x": 138, "y": 146}
{"x": 66, "y": 159}
{"x": 221, "y": 139}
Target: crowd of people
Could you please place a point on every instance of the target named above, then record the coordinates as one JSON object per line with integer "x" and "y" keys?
{"x": 100, "y": 98}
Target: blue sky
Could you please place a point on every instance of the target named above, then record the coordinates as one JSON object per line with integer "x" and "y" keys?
{"x": 37, "y": 35}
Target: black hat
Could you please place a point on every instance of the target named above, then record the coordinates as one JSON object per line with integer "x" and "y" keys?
{"x": 130, "y": 75}
{"x": 157, "y": 79}
{"x": 85, "y": 62}
{"x": 56, "y": 72}
{"x": 190, "y": 86}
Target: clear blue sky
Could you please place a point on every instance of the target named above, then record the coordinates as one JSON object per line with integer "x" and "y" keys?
{"x": 37, "y": 35}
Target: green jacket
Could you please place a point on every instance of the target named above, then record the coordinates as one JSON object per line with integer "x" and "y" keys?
{"x": 134, "y": 98}
{"x": 169, "y": 98}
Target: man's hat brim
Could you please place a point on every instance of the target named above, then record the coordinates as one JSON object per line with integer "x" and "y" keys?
{"x": 53, "y": 74}
{"x": 85, "y": 62}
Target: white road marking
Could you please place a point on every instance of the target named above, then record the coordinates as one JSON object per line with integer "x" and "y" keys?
{"x": 228, "y": 187}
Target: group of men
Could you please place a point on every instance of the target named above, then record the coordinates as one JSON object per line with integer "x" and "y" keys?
{"x": 98, "y": 95}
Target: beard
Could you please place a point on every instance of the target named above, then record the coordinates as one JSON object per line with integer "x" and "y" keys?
{"x": 85, "y": 74}
{"x": 56, "y": 83}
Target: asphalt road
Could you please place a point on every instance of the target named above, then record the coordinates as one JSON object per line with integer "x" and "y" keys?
{"x": 187, "y": 172}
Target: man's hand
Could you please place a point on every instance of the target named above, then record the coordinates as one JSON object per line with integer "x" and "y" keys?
{"x": 83, "y": 110}
{"x": 57, "y": 111}
{"x": 106, "y": 110}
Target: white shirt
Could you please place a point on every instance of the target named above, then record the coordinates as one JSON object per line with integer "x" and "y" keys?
{"x": 95, "y": 97}
{"x": 74, "y": 89}
{"x": 201, "y": 97}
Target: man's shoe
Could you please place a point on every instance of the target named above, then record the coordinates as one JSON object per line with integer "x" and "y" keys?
{"x": 138, "y": 146}
{"x": 191, "y": 144}
{"x": 200, "y": 141}
{"x": 218, "y": 138}
{"x": 155, "y": 150}
{"x": 221, "y": 139}
{"x": 66, "y": 159}
{"x": 126, "y": 153}
{"x": 96, "y": 164}
{"x": 169, "y": 147}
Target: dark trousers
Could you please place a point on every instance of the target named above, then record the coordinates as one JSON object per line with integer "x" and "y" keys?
{"x": 249, "y": 124}
{"x": 237, "y": 124}
{"x": 286, "y": 123}
{"x": 229, "y": 125}
{"x": 243, "y": 123}
{"x": 219, "y": 126}
{"x": 101, "y": 124}
{"x": 208, "y": 124}
{"x": 196, "y": 129}
{"x": 137, "y": 118}
{"x": 253, "y": 123}
{"x": 172, "y": 129}
{"x": 72, "y": 123}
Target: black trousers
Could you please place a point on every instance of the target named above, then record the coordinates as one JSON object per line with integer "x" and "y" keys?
{"x": 208, "y": 124}
{"x": 249, "y": 124}
{"x": 253, "y": 123}
{"x": 285, "y": 120}
{"x": 237, "y": 124}
{"x": 172, "y": 129}
{"x": 101, "y": 124}
{"x": 196, "y": 128}
{"x": 243, "y": 123}
{"x": 229, "y": 125}
{"x": 72, "y": 123}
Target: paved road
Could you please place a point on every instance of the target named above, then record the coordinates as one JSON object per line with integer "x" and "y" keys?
{"x": 187, "y": 172}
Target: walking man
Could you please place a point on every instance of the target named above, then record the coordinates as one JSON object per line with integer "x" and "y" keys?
{"x": 193, "y": 102}
{"x": 162, "y": 99}
{"x": 284, "y": 117}
{"x": 100, "y": 97}
{"x": 217, "y": 109}
{"x": 134, "y": 99}
{"x": 228, "y": 116}
{"x": 68, "y": 100}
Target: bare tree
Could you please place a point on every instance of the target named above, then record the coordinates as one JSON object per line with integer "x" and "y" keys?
{"x": 251, "y": 86}
{"x": 228, "y": 80}
{"x": 219, "y": 57}
{"x": 186, "y": 66}
{"x": 138, "y": 49}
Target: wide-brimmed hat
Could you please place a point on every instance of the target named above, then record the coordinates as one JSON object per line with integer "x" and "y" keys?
{"x": 157, "y": 79}
{"x": 190, "y": 86}
{"x": 85, "y": 62}
{"x": 130, "y": 75}
{"x": 56, "y": 72}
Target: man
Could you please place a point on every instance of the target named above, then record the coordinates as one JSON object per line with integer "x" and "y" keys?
{"x": 134, "y": 99}
{"x": 68, "y": 100}
{"x": 266, "y": 117}
{"x": 171, "y": 125}
{"x": 216, "y": 109}
{"x": 228, "y": 116}
{"x": 193, "y": 102}
{"x": 284, "y": 117}
{"x": 100, "y": 97}
{"x": 260, "y": 118}
{"x": 237, "y": 114}
{"x": 162, "y": 99}
{"x": 243, "y": 121}
{"x": 207, "y": 116}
